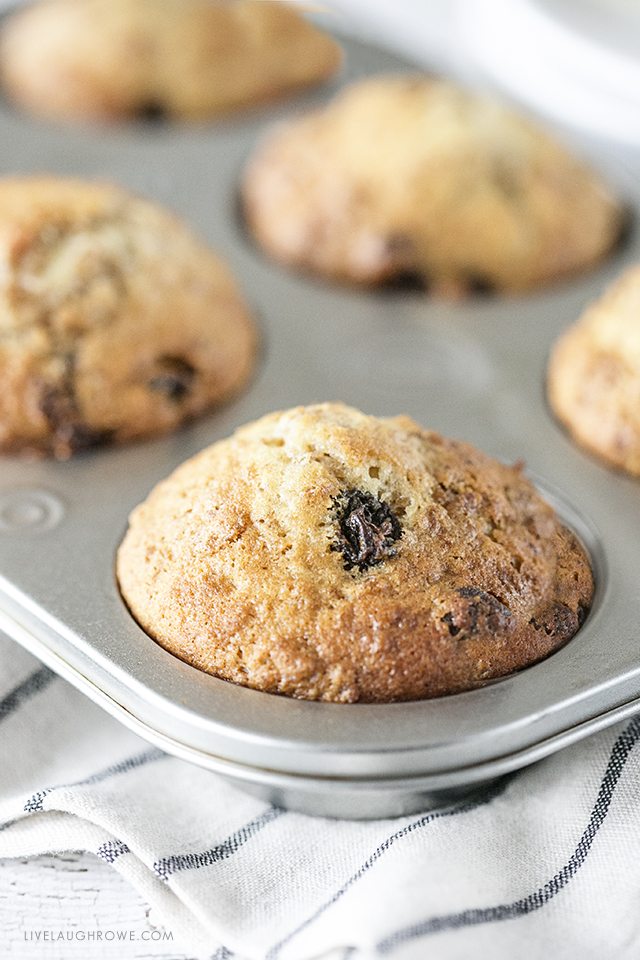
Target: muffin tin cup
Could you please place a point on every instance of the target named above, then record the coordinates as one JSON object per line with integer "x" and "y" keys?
{"x": 473, "y": 370}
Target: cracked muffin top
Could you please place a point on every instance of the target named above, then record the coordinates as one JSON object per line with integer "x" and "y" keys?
{"x": 406, "y": 178}
{"x": 328, "y": 555}
{"x": 594, "y": 376}
{"x": 158, "y": 59}
{"x": 115, "y": 322}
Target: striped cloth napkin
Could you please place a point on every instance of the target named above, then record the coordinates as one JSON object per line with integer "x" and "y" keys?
{"x": 543, "y": 864}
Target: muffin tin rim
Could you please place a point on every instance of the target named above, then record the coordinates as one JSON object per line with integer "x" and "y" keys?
{"x": 615, "y": 691}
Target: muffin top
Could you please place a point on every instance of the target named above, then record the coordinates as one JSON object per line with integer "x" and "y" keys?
{"x": 115, "y": 321}
{"x": 594, "y": 375}
{"x": 152, "y": 59}
{"x": 407, "y": 177}
{"x": 329, "y": 555}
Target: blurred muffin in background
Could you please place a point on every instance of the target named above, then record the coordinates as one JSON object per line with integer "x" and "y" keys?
{"x": 594, "y": 376}
{"x": 411, "y": 178}
{"x": 158, "y": 59}
{"x": 116, "y": 322}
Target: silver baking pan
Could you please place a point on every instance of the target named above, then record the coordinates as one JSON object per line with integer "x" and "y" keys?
{"x": 473, "y": 371}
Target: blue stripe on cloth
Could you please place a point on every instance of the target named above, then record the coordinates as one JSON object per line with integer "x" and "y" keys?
{"x": 478, "y": 801}
{"x": 221, "y": 954}
{"x": 35, "y": 682}
{"x": 35, "y": 803}
{"x": 111, "y": 850}
{"x": 193, "y": 861}
{"x": 533, "y": 901}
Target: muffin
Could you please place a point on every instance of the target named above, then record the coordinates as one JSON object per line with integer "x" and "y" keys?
{"x": 594, "y": 376}
{"x": 116, "y": 321}
{"x": 153, "y": 59}
{"x": 407, "y": 178}
{"x": 328, "y": 555}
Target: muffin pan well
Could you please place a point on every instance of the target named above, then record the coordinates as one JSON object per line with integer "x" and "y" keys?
{"x": 474, "y": 371}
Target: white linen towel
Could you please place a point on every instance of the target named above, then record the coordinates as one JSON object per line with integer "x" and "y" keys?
{"x": 543, "y": 864}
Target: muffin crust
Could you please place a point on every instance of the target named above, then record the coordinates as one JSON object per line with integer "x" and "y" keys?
{"x": 594, "y": 376}
{"x": 158, "y": 59}
{"x": 116, "y": 322}
{"x": 328, "y": 555}
{"x": 406, "y": 178}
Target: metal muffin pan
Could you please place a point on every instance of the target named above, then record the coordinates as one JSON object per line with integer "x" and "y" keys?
{"x": 473, "y": 370}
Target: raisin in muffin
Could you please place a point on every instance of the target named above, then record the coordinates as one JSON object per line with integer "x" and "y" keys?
{"x": 594, "y": 376}
{"x": 151, "y": 59}
{"x": 405, "y": 177}
{"x": 328, "y": 555}
{"x": 116, "y": 321}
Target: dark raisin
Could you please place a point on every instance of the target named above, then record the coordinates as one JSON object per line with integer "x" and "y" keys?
{"x": 367, "y": 529}
{"x": 406, "y": 281}
{"x": 152, "y": 111}
{"x": 480, "y": 286}
{"x": 626, "y": 228}
{"x": 559, "y": 621}
{"x": 583, "y": 613}
{"x": 174, "y": 378}
{"x": 453, "y": 629}
{"x": 57, "y": 404}
{"x": 75, "y": 437}
{"x": 479, "y": 611}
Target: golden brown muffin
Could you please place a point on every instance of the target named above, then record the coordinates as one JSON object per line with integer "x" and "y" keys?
{"x": 115, "y": 321}
{"x": 328, "y": 555}
{"x": 409, "y": 177}
{"x": 594, "y": 375}
{"x": 152, "y": 59}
